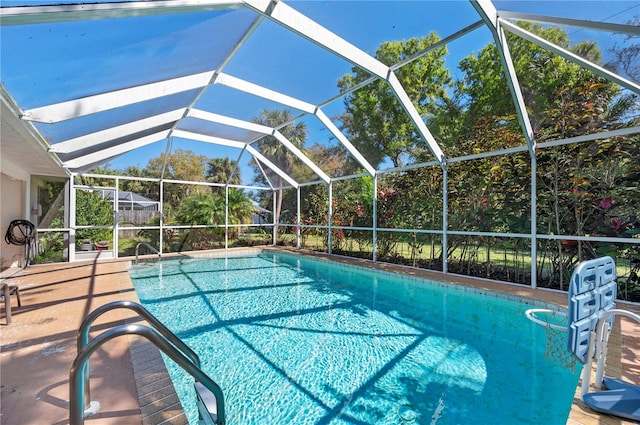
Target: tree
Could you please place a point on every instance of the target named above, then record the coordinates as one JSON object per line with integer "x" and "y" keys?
{"x": 241, "y": 209}
{"x": 374, "y": 121}
{"x": 98, "y": 181}
{"x": 201, "y": 208}
{"x": 93, "y": 210}
{"x": 549, "y": 83}
{"x": 331, "y": 159}
{"x": 180, "y": 165}
{"x": 563, "y": 100}
{"x": 276, "y": 152}
{"x": 627, "y": 54}
{"x": 222, "y": 170}
{"x": 209, "y": 209}
{"x": 148, "y": 189}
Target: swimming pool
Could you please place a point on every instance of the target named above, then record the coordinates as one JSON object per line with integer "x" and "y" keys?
{"x": 295, "y": 340}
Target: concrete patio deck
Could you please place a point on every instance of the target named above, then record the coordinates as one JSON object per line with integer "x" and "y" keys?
{"x": 39, "y": 346}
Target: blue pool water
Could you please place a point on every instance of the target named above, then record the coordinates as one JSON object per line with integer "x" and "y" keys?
{"x": 293, "y": 340}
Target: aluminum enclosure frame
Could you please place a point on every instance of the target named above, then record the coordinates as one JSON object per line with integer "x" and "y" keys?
{"x": 283, "y": 15}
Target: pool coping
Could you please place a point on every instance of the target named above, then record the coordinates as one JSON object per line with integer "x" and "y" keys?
{"x": 159, "y": 402}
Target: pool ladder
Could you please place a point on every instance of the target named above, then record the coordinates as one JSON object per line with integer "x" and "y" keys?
{"x": 209, "y": 397}
{"x": 148, "y": 246}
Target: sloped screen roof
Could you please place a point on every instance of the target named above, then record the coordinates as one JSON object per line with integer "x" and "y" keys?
{"x": 101, "y": 81}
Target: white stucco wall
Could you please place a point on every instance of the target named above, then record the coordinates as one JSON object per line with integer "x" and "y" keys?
{"x": 11, "y": 206}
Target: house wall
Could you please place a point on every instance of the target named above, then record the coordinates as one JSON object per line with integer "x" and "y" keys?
{"x": 11, "y": 208}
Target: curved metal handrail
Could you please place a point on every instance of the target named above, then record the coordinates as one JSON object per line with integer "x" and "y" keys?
{"x": 603, "y": 338}
{"x": 83, "y": 332}
{"x": 77, "y": 383}
{"x": 148, "y": 246}
{"x": 598, "y": 347}
{"x": 83, "y": 336}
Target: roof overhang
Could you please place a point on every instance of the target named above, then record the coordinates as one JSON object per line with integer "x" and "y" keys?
{"x": 22, "y": 151}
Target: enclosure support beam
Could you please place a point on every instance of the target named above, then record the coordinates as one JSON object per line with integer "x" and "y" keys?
{"x": 534, "y": 227}
{"x": 226, "y": 217}
{"x": 575, "y": 23}
{"x": 330, "y": 220}
{"x": 275, "y": 219}
{"x": 296, "y": 22}
{"x": 445, "y": 215}
{"x": 92, "y": 140}
{"x": 289, "y": 18}
{"x": 72, "y": 218}
{"x": 298, "y": 218}
{"x": 258, "y": 156}
{"x": 67, "y": 247}
{"x": 114, "y": 151}
{"x": 165, "y": 157}
{"x": 85, "y": 11}
{"x": 160, "y": 238}
{"x": 345, "y": 142}
{"x": 374, "y": 244}
{"x": 566, "y": 54}
{"x": 262, "y": 129}
{"x": 116, "y": 221}
{"x": 489, "y": 14}
{"x": 115, "y": 99}
{"x": 301, "y": 156}
{"x": 415, "y": 117}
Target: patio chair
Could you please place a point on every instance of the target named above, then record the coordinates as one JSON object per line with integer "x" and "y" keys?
{"x": 5, "y": 295}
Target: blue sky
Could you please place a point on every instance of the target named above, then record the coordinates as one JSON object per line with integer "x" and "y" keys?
{"x": 273, "y": 57}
